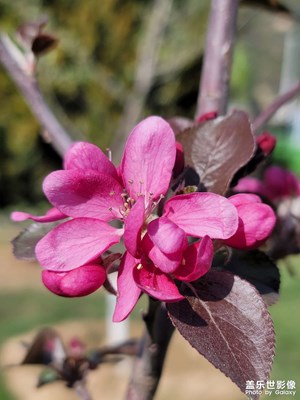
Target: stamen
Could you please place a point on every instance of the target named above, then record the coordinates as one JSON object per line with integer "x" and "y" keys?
{"x": 141, "y": 184}
{"x": 155, "y": 203}
{"x": 109, "y": 154}
{"x": 112, "y": 193}
{"x": 114, "y": 214}
{"x": 130, "y": 181}
{"x": 139, "y": 266}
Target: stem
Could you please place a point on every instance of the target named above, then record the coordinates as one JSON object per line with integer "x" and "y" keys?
{"x": 266, "y": 114}
{"x": 82, "y": 391}
{"x": 54, "y": 132}
{"x": 149, "y": 363}
{"x": 156, "y": 22}
{"x": 214, "y": 86}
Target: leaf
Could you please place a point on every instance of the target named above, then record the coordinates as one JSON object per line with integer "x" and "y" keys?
{"x": 218, "y": 148}
{"x": 225, "y": 320}
{"x": 258, "y": 269}
{"x": 24, "y": 244}
{"x": 46, "y": 348}
{"x": 47, "y": 376}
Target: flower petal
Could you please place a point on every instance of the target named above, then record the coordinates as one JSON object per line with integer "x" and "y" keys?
{"x": 200, "y": 214}
{"x": 79, "y": 282}
{"x": 149, "y": 158}
{"x": 133, "y": 227}
{"x": 155, "y": 283}
{"x": 85, "y": 156}
{"x": 252, "y": 185}
{"x": 256, "y": 222}
{"x": 244, "y": 198}
{"x": 280, "y": 182}
{"x": 75, "y": 243}
{"x": 128, "y": 291}
{"x": 167, "y": 263}
{"x": 51, "y": 215}
{"x": 166, "y": 235}
{"x": 84, "y": 194}
{"x": 197, "y": 260}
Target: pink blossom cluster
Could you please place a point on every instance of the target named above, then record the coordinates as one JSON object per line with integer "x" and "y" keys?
{"x": 277, "y": 184}
{"x": 160, "y": 250}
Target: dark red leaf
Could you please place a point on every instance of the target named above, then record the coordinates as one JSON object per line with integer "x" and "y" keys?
{"x": 45, "y": 348}
{"x": 226, "y": 320}
{"x": 216, "y": 149}
{"x": 257, "y": 268}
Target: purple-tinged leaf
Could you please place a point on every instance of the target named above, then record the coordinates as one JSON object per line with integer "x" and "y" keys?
{"x": 217, "y": 149}
{"x": 24, "y": 244}
{"x": 226, "y": 320}
{"x": 257, "y": 268}
{"x": 46, "y": 348}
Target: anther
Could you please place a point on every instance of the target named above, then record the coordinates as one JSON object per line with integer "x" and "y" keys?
{"x": 139, "y": 266}
{"x": 109, "y": 155}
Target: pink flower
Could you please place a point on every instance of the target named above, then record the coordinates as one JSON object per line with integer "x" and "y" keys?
{"x": 78, "y": 282}
{"x": 143, "y": 275}
{"x": 92, "y": 192}
{"x": 164, "y": 252}
{"x": 277, "y": 184}
{"x": 256, "y": 222}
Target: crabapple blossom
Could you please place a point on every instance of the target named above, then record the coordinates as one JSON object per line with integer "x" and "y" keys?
{"x": 160, "y": 250}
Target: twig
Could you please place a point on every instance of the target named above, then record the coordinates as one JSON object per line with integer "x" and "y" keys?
{"x": 266, "y": 114}
{"x": 82, "y": 391}
{"x": 214, "y": 86}
{"x": 149, "y": 363}
{"x": 53, "y": 130}
{"x": 147, "y": 57}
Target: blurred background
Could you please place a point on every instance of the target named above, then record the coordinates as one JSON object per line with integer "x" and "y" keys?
{"x": 115, "y": 63}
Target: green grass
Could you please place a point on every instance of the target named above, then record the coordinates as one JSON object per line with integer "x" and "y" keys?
{"x": 24, "y": 310}
{"x": 286, "y": 319}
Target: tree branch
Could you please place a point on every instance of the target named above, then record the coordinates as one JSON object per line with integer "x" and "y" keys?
{"x": 149, "y": 363}
{"x": 82, "y": 391}
{"x": 147, "y": 57}
{"x": 214, "y": 86}
{"x": 267, "y": 114}
{"x": 27, "y": 84}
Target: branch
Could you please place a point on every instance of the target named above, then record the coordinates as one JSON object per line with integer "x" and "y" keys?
{"x": 82, "y": 391}
{"x": 149, "y": 363}
{"x": 27, "y": 84}
{"x": 214, "y": 86}
{"x": 147, "y": 58}
{"x": 267, "y": 114}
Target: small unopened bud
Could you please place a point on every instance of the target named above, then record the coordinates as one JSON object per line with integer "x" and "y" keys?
{"x": 266, "y": 142}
